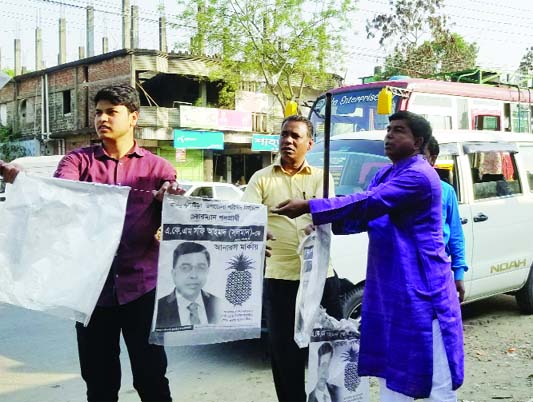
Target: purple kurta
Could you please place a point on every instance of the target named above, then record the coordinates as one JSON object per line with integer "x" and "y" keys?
{"x": 408, "y": 280}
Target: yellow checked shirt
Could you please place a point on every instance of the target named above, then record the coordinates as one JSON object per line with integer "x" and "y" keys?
{"x": 271, "y": 186}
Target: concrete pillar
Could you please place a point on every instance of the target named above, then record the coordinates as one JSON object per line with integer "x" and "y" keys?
{"x": 105, "y": 44}
{"x": 266, "y": 159}
{"x": 208, "y": 165}
{"x": 18, "y": 65}
{"x": 203, "y": 94}
{"x": 126, "y": 24}
{"x": 62, "y": 57}
{"x": 38, "y": 49}
{"x": 81, "y": 52}
{"x": 163, "y": 34}
{"x": 228, "y": 169}
{"x": 135, "y": 27}
{"x": 90, "y": 31}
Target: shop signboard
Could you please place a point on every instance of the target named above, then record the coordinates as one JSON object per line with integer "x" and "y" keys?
{"x": 262, "y": 142}
{"x": 189, "y": 139}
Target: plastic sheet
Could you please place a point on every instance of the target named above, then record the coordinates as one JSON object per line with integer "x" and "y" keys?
{"x": 314, "y": 254}
{"x": 58, "y": 239}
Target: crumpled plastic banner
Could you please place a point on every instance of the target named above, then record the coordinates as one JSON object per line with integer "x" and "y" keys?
{"x": 333, "y": 362}
{"x": 314, "y": 255}
{"x": 226, "y": 253}
{"x": 58, "y": 239}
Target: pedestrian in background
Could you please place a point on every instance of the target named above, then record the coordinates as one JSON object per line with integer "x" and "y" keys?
{"x": 454, "y": 239}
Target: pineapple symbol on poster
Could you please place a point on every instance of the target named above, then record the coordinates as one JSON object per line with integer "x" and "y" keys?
{"x": 351, "y": 378}
{"x": 209, "y": 286}
{"x": 239, "y": 283}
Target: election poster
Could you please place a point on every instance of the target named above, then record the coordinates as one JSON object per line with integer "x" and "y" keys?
{"x": 333, "y": 363}
{"x": 210, "y": 271}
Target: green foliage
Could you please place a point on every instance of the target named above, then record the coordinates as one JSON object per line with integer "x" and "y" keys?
{"x": 9, "y": 149}
{"x": 422, "y": 43}
{"x": 9, "y": 72}
{"x": 286, "y": 44}
{"x": 526, "y": 66}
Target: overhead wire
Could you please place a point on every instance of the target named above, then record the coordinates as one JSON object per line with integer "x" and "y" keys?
{"x": 109, "y": 9}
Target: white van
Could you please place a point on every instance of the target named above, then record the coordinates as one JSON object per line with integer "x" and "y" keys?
{"x": 492, "y": 173}
{"x": 44, "y": 166}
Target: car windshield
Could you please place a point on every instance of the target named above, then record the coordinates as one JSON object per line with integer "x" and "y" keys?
{"x": 353, "y": 163}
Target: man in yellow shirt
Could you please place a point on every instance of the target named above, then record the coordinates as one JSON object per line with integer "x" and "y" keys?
{"x": 287, "y": 178}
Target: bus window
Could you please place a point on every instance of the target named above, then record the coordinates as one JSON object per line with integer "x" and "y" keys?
{"x": 439, "y": 122}
{"x": 520, "y": 118}
{"x": 351, "y": 111}
{"x": 487, "y": 123}
{"x": 462, "y": 114}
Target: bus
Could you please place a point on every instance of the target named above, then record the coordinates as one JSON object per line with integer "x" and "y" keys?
{"x": 447, "y": 105}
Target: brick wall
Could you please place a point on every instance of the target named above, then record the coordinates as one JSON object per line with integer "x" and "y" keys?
{"x": 27, "y": 110}
{"x": 100, "y": 75}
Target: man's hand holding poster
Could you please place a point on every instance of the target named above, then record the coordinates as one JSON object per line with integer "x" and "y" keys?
{"x": 210, "y": 272}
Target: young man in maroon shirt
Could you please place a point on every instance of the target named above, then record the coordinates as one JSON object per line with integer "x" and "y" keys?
{"x": 127, "y": 300}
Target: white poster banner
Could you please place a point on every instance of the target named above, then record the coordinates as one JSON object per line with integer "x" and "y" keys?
{"x": 58, "y": 239}
{"x": 314, "y": 254}
{"x": 210, "y": 274}
{"x": 333, "y": 362}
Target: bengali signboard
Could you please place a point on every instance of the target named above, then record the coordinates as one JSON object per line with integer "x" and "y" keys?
{"x": 262, "y": 142}
{"x": 189, "y": 139}
{"x": 216, "y": 119}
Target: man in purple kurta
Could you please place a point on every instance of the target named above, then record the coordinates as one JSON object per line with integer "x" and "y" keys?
{"x": 411, "y": 329}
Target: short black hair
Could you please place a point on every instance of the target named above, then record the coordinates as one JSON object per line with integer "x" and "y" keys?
{"x": 190, "y": 247}
{"x": 433, "y": 146}
{"x": 418, "y": 125}
{"x": 324, "y": 349}
{"x": 122, "y": 94}
{"x": 301, "y": 119}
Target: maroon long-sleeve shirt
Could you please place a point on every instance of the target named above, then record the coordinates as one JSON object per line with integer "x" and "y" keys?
{"x": 134, "y": 269}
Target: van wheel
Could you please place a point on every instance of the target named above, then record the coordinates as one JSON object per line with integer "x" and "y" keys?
{"x": 351, "y": 303}
{"x": 524, "y": 297}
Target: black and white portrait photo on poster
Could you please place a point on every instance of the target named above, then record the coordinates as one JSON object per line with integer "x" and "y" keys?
{"x": 332, "y": 375}
{"x": 210, "y": 269}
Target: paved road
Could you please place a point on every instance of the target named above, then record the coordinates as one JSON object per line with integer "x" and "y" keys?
{"x": 39, "y": 363}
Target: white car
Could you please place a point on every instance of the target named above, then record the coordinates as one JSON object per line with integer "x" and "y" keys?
{"x": 492, "y": 173}
{"x": 43, "y": 166}
{"x": 216, "y": 190}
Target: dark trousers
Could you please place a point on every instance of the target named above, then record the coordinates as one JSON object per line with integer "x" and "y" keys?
{"x": 288, "y": 360}
{"x": 99, "y": 349}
